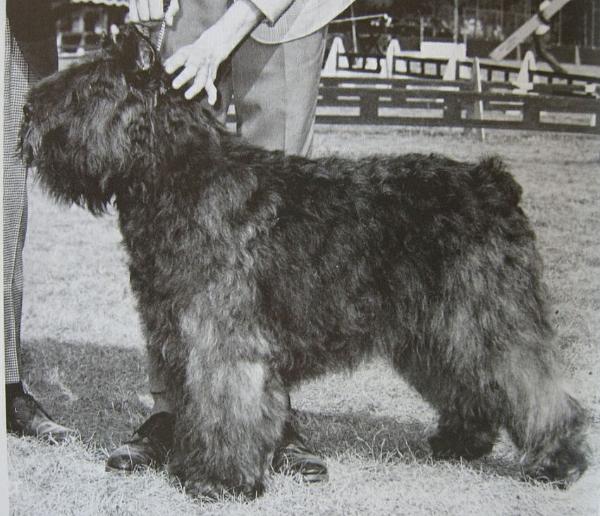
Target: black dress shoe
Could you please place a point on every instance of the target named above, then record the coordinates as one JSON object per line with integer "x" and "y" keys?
{"x": 296, "y": 459}
{"x": 149, "y": 447}
{"x": 25, "y": 416}
{"x": 153, "y": 441}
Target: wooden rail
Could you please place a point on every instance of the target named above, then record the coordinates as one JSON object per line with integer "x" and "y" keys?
{"x": 430, "y": 102}
{"x": 359, "y": 62}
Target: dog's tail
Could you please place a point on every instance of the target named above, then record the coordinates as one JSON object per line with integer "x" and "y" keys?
{"x": 495, "y": 184}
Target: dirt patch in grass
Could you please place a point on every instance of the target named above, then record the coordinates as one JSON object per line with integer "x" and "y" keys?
{"x": 84, "y": 359}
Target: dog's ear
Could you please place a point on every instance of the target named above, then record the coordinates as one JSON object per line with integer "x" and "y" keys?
{"x": 136, "y": 51}
{"x": 146, "y": 56}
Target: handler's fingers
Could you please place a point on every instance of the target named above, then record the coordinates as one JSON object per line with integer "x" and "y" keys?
{"x": 177, "y": 60}
{"x": 171, "y": 12}
{"x": 211, "y": 92}
{"x": 211, "y": 89}
{"x": 143, "y": 10}
{"x": 134, "y": 17}
{"x": 199, "y": 83}
{"x": 156, "y": 9}
{"x": 188, "y": 73}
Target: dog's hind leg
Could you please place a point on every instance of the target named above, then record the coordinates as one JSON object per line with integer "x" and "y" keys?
{"x": 468, "y": 425}
{"x": 233, "y": 412}
{"x": 517, "y": 374}
{"x": 481, "y": 352}
{"x": 452, "y": 380}
{"x": 545, "y": 422}
{"x": 465, "y": 433}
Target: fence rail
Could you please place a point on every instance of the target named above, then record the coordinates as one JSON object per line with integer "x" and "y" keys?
{"x": 433, "y": 68}
{"x": 429, "y": 102}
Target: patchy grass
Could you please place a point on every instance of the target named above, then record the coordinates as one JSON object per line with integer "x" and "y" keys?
{"x": 85, "y": 362}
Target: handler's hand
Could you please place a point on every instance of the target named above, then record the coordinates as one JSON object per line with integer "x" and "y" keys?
{"x": 201, "y": 59}
{"x": 152, "y": 10}
{"x": 200, "y": 62}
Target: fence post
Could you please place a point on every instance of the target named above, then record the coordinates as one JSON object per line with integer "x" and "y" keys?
{"x": 330, "y": 68}
{"x": 524, "y": 80}
{"x": 450, "y": 73}
{"x": 369, "y": 107}
{"x": 392, "y": 51}
{"x": 475, "y": 111}
{"x": 452, "y": 111}
{"x": 531, "y": 113}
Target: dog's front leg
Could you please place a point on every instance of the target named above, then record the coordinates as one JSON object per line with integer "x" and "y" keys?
{"x": 233, "y": 410}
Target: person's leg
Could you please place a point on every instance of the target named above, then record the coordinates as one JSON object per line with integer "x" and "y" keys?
{"x": 23, "y": 414}
{"x": 16, "y": 82}
{"x": 152, "y": 441}
{"x": 275, "y": 92}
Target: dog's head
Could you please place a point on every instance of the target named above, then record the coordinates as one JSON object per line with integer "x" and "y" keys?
{"x": 86, "y": 127}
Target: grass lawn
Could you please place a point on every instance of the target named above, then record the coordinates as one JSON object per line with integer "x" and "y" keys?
{"x": 85, "y": 361}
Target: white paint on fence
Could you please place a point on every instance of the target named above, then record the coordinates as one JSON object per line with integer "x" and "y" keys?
{"x": 392, "y": 50}
{"x": 523, "y": 82}
{"x": 330, "y": 68}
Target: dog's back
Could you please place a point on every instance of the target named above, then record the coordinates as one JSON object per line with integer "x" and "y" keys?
{"x": 357, "y": 253}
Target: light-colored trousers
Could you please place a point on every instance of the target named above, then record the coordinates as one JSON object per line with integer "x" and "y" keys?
{"x": 274, "y": 89}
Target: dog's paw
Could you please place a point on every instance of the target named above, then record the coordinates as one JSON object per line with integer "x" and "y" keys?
{"x": 446, "y": 447}
{"x": 561, "y": 469}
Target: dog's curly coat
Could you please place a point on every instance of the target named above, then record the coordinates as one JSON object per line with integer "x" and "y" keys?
{"x": 254, "y": 271}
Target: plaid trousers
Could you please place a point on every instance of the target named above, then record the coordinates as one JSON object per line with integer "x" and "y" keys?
{"x": 17, "y": 78}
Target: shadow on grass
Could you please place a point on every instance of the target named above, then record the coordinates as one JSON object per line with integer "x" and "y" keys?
{"x": 102, "y": 392}
{"x": 363, "y": 435}
{"x": 387, "y": 440}
{"x": 99, "y": 390}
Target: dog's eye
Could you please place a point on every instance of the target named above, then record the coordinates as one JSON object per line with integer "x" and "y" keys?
{"x": 27, "y": 112}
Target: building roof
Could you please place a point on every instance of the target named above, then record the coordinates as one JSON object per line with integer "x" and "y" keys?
{"x": 116, "y": 3}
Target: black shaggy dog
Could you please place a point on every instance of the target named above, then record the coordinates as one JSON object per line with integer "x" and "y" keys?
{"x": 254, "y": 271}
